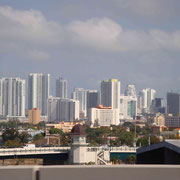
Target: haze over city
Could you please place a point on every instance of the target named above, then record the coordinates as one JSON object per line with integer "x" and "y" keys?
{"x": 136, "y": 41}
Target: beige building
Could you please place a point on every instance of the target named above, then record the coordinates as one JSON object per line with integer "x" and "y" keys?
{"x": 34, "y": 116}
{"x": 66, "y": 127}
{"x": 159, "y": 120}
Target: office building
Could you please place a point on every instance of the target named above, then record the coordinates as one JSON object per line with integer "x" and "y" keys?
{"x": 103, "y": 116}
{"x": 172, "y": 121}
{"x": 110, "y": 93}
{"x": 80, "y": 94}
{"x": 159, "y": 105}
{"x": 34, "y": 116}
{"x": 92, "y": 98}
{"x": 12, "y": 97}
{"x": 61, "y": 88}
{"x": 173, "y": 103}
{"x": 60, "y": 109}
{"x": 38, "y": 92}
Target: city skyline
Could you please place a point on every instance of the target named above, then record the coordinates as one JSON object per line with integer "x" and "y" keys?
{"x": 136, "y": 42}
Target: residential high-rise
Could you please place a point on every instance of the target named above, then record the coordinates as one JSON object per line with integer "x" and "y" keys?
{"x": 38, "y": 92}
{"x": 173, "y": 103}
{"x": 92, "y": 98}
{"x": 110, "y": 93}
{"x": 148, "y": 95}
{"x": 61, "y": 88}
{"x": 12, "y": 97}
{"x": 80, "y": 94}
{"x": 60, "y": 109}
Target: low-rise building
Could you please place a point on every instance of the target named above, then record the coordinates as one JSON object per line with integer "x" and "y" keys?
{"x": 66, "y": 127}
{"x": 103, "y": 116}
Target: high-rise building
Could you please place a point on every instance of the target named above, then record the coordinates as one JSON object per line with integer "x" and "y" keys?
{"x": 61, "y": 88}
{"x": 173, "y": 103}
{"x": 110, "y": 93}
{"x": 80, "y": 94}
{"x": 130, "y": 90}
{"x": 60, "y": 109}
{"x": 38, "y": 92}
{"x": 128, "y": 107}
{"x": 148, "y": 95}
{"x": 92, "y": 98}
{"x": 159, "y": 105}
{"x": 12, "y": 97}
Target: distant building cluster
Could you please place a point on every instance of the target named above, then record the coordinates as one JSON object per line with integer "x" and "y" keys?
{"x": 108, "y": 106}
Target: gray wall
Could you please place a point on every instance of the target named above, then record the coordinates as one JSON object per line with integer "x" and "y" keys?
{"x": 121, "y": 172}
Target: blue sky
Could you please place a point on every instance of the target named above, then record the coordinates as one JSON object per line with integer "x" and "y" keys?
{"x": 136, "y": 41}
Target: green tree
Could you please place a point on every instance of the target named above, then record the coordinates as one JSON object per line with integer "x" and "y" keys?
{"x": 24, "y": 137}
{"x": 10, "y": 134}
{"x": 12, "y": 143}
{"x": 131, "y": 159}
{"x": 143, "y": 141}
{"x": 126, "y": 138}
{"x": 55, "y": 131}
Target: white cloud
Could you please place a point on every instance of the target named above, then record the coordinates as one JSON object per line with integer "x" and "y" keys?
{"x": 29, "y": 34}
{"x": 26, "y": 31}
{"x": 105, "y": 34}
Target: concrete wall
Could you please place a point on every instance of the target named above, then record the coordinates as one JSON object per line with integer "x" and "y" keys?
{"x": 121, "y": 172}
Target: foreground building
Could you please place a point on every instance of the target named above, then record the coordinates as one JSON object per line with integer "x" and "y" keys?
{"x": 167, "y": 152}
{"x": 12, "y": 97}
{"x": 38, "y": 92}
{"x": 103, "y": 116}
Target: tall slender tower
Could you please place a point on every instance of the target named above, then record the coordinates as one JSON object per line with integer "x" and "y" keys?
{"x": 38, "y": 92}
{"x": 61, "y": 88}
{"x": 80, "y": 94}
{"x": 148, "y": 95}
{"x": 110, "y": 93}
{"x": 12, "y": 97}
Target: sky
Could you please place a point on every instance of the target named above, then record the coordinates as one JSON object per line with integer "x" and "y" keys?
{"x": 87, "y": 41}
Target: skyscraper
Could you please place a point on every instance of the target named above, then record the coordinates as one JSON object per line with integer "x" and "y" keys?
{"x": 80, "y": 94}
{"x": 92, "y": 98}
{"x": 12, "y": 97}
{"x": 38, "y": 92}
{"x": 173, "y": 103}
{"x": 110, "y": 93}
{"x": 60, "y": 109}
{"x": 148, "y": 95}
{"x": 61, "y": 88}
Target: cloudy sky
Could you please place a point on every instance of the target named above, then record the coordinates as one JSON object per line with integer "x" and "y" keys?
{"x": 86, "y": 41}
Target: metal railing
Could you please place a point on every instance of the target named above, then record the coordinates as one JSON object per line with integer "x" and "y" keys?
{"x": 113, "y": 149}
{"x": 37, "y": 150}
